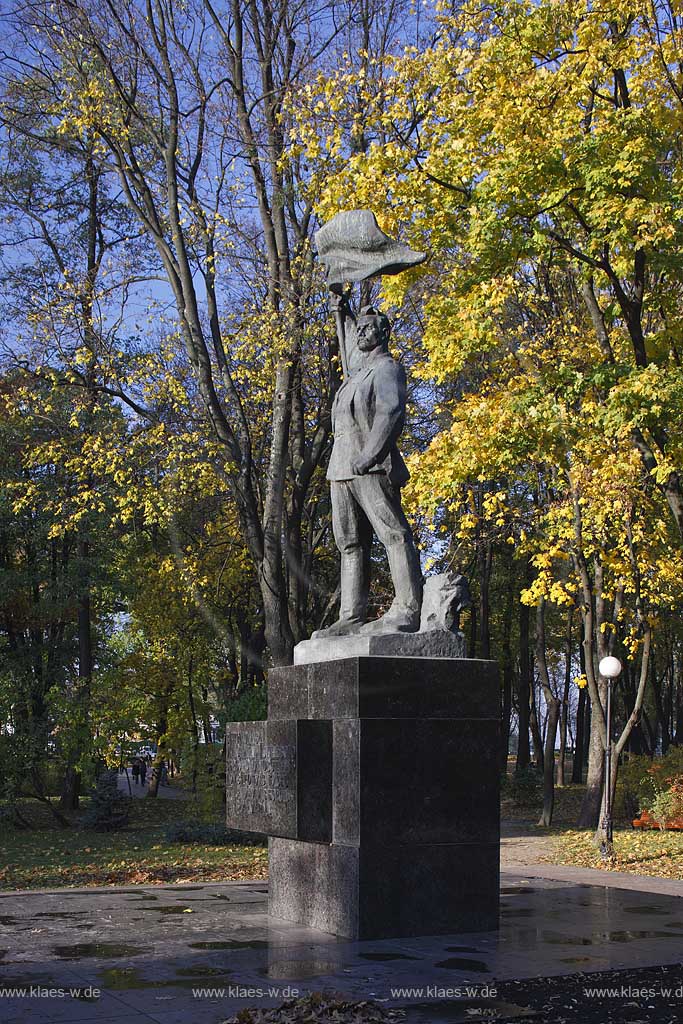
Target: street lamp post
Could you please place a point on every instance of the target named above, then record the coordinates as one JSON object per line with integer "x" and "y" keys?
{"x": 609, "y": 669}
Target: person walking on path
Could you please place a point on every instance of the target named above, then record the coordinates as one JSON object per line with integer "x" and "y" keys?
{"x": 136, "y": 771}
{"x": 143, "y": 771}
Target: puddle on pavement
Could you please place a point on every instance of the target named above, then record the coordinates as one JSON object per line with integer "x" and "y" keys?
{"x": 20, "y": 981}
{"x": 125, "y": 978}
{"x": 201, "y": 972}
{"x": 63, "y": 913}
{"x": 521, "y": 912}
{"x": 381, "y": 957}
{"x": 575, "y": 959}
{"x": 100, "y": 892}
{"x": 461, "y": 949}
{"x": 629, "y": 936}
{"x": 181, "y": 888}
{"x": 174, "y": 909}
{"x": 453, "y": 1011}
{"x": 645, "y": 910}
{"x": 600, "y": 938}
{"x": 83, "y": 950}
{"x": 295, "y": 969}
{"x": 230, "y": 944}
{"x": 516, "y": 890}
{"x": 461, "y": 963}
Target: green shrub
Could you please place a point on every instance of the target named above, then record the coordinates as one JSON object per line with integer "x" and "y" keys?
{"x": 632, "y": 787}
{"x": 250, "y": 705}
{"x": 205, "y": 767}
{"x": 211, "y": 835}
{"x": 651, "y": 784}
{"x": 109, "y": 809}
{"x": 667, "y": 802}
{"x": 524, "y": 787}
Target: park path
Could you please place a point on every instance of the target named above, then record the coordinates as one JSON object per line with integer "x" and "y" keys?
{"x": 519, "y": 847}
{"x": 138, "y": 791}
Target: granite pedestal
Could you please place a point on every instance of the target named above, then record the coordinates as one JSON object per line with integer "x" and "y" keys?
{"x": 376, "y": 779}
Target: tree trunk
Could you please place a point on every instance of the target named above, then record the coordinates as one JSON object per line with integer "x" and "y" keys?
{"x": 194, "y": 726}
{"x": 553, "y": 706}
{"x": 580, "y": 745}
{"x": 160, "y": 756}
{"x": 484, "y": 554}
{"x": 536, "y": 736}
{"x": 523, "y": 752}
{"x": 71, "y": 789}
{"x": 71, "y": 785}
{"x": 590, "y": 805}
{"x": 564, "y": 720}
{"x": 662, "y": 716}
{"x": 507, "y": 670}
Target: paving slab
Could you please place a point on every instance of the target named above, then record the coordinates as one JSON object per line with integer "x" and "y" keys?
{"x": 200, "y": 952}
{"x": 611, "y": 879}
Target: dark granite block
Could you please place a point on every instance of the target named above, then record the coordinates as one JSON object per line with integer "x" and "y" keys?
{"x": 385, "y": 892}
{"x": 428, "y": 890}
{"x": 346, "y": 794}
{"x": 314, "y": 780}
{"x": 314, "y": 884}
{"x": 426, "y": 781}
{"x": 288, "y": 692}
{"x": 385, "y": 688}
{"x": 260, "y": 793}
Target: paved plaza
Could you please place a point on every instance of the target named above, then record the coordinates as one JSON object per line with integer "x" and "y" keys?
{"x": 198, "y": 953}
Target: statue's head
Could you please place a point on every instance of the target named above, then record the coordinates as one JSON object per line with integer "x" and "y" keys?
{"x": 374, "y": 329}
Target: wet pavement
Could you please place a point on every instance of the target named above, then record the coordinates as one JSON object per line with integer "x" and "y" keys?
{"x": 197, "y": 953}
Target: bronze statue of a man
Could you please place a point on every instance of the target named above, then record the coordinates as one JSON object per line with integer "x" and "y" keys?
{"x": 366, "y": 473}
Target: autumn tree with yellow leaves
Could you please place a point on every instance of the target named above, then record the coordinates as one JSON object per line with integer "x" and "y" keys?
{"x": 184, "y": 104}
{"x": 534, "y": 150}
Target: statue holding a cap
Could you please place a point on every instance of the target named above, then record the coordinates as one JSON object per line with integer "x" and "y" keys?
{"x": 366, "y": 470}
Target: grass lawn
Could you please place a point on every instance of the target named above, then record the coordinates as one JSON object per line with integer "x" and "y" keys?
{"x": 528, "y": 808}
{"x": 47, "y": 856}
{"x": 642, "y": 852}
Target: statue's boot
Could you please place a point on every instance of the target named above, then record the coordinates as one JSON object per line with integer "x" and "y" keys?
{"x": 396, "y": 620}
{"x": 404, "y": 614}
{"x": 342, "y": 627}
{"x": 354, "y": 596}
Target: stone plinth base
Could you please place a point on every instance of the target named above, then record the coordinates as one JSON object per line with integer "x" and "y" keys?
{"x": 438, "y": 643}
{"x": 375, "y": 892}
{"x": 377, "y": 780}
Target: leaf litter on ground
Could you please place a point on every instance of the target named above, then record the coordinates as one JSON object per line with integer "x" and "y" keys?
{"x": 319, "y": 1008}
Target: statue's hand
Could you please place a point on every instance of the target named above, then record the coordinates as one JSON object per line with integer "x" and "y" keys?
{"x": 360, "y": 467}
{"x": 338, "y": 298}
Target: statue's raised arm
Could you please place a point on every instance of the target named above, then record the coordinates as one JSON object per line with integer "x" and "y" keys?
{"x": 354, "y": 248}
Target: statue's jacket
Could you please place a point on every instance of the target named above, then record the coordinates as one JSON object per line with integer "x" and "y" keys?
{"x": 367, "y": 418}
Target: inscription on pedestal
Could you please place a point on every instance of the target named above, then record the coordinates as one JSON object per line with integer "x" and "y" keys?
{"x": 261, "y": 777}
{"x": 279, "y": 778}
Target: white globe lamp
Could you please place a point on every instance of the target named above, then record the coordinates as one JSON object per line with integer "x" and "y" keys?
{"x": 609, "y": 667}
